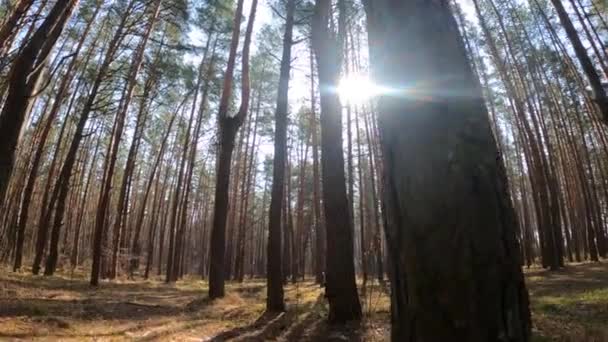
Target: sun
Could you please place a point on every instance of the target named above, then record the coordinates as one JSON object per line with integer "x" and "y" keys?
{"x": 356, "y": 89}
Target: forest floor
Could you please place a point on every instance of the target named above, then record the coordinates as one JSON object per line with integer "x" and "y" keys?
{"x": 570, "y": 305}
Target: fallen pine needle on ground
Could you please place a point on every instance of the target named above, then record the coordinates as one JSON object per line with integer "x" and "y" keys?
{"x": 568, "y": 305}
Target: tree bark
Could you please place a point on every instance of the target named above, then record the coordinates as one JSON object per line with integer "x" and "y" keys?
{"x": 134, "y": 146}
{"x": 228, "y": 128}
{"x": 454, "y": 276}
{"x": 599, "y": 93}
{"x": 23, "y": 83}
{"x": 341, "y": 288}
{"x": 8, "y": 27}
{"x": 274, "y": 299}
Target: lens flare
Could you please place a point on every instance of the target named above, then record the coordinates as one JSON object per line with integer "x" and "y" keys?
{"x": 356, "y": 89}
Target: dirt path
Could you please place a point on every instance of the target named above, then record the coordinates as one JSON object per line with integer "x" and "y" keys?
{"x": 570, "y": 305}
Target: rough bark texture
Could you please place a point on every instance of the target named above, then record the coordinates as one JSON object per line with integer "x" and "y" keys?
{"x": 454, "y": 276}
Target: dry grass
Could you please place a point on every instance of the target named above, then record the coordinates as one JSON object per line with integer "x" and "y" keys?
{"x": 571, "y": 305}
{"x": 65, "y": 308}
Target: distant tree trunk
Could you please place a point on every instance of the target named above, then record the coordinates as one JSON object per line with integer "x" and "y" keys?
{"x": 140, "y": 216}
{"x": 299, "y": 237}
{"x": 593, "y": 76}
{"x": 287, "y": 256}
{"x": 341, "y": 288}
{"x": 204, "y": 235}
{"x": 42, "y": 231}
{"x": 76, "y": 241}
{"x": 233, "y": 206}
{"x": 316, "y": 179}
{"x": 362, "y": 192}
{"x": 153, "y": 227}
{"x": 163, "y": 213}
{"x": 236, "y": 220}
{"x": 274, "y": 299}
{"x": 441, "y": 157}
{"x": 248, "y": 180}
{"x": 134, "y": 146}
{"x": 531, "y": 141}
{"x": 177, "y": 197}
{"x": 23, "y": 83}
{"x": 98, "y": 235}
{"x": 373, "y": 167}
{"x": 193, "y": 149}
{"x": 228, "y": 128}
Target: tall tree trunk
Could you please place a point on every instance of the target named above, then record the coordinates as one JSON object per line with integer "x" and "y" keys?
{"x": 42, "y": 231}
{"x": 130, "y": 163}
{"x": 23, "y": 84}
{"x": 194, "y": 145}
{"x": 341, "y": 288}
{"x": 177, "y": 197}
{"x": 316, "y": 179}
{"x": 140, "y": 216}
{"x": 76, "y": 241}
{"x": 274, "y": 299}
{"x": 228, "y": 128}
{"x": 599, "y": 93}
{"x": 373, "y": 167}
{"x": 10, "y": 24}
{"x": 98, "y": 235}
{"x": 442, "y": 156}
{"x": 362, "y": 192}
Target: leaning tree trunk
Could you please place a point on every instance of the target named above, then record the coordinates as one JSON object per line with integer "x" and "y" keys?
{"x": 600, "y": 96}
{"x": 62, "y": 92}
{"x": 8, "y": 27}
{"x": 454, "y": 276}
{"x": 140, "y": 122}
{"x": 23, "y": 83}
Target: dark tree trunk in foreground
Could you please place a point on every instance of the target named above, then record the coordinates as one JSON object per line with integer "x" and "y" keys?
{"x": 9, "y": 27}
{"x": 274, "y": 300}
{"x": 341, "y": 289}
{"x": 228, "y": 128}
{"x": 62, "y": 93}
{"x": 454, "y": 276}
{"x": 23, "y": 83}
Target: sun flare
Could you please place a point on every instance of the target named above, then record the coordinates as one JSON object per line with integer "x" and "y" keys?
{"x": 356, "y": 89}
